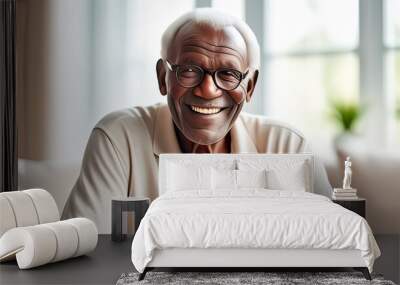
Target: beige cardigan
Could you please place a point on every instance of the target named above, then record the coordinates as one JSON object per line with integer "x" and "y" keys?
{"x": 121, "y": 157}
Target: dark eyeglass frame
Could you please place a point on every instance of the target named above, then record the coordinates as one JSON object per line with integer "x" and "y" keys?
{"x": 175, "y": 68}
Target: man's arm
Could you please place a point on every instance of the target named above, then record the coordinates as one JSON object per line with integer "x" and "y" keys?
{"x": 101, "y": 178}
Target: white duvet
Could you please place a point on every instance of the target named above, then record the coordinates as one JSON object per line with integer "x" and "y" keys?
{"x": 252, "y": 218}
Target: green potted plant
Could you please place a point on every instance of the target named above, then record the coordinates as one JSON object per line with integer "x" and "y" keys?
{"x": 345, "y": 114}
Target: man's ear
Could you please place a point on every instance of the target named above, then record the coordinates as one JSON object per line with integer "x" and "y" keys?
{"x": 161, "y": 74}
{"x": 251, "y": 84}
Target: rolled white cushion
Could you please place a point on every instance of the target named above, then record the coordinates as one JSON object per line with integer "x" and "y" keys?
{"x": 33, "y": 246}
{"x": 27, "y": 208}
{"x": 7, "y": 218}
{"x": 87, "y": 234}
{"x": 23, "y": 208}
{"x": 45, "y": 205}
{"x": 40, "y": 244}
{"x": 67, "y": 240}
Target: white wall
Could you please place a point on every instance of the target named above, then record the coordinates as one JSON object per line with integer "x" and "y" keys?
{"x": 376, "y": 178}
{"x": 78, "y": 60}
{"x": 52, "y": 86}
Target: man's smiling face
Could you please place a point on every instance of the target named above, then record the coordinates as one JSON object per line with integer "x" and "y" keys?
{"x": 204, "y": 114}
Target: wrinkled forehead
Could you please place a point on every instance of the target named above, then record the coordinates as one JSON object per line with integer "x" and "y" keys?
{"x": 225, "y": 41}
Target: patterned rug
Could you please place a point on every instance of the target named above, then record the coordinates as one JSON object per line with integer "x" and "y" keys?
{"x": 230, "y": 278}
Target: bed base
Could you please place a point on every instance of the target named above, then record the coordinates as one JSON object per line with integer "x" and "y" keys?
{"x": 364, "y": 270}
{"x": 250, "y": 259}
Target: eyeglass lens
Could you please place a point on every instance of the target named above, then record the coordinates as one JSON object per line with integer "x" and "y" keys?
{"x": 191, "y": 75}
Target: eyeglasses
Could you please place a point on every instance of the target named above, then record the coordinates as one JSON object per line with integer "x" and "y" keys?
{"x": 192, "y": 75}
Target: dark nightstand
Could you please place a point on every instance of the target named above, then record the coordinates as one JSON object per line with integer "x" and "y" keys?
{"x": 120, "y": 208}
{"x": 357, "y": 205}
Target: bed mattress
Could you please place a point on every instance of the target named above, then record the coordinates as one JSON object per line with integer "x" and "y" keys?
{"x": 250, "y": 219}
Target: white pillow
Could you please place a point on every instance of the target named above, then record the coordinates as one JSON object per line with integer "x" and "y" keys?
{"x": 226, "y": 179}
{"x": 283, "y": 173}
{"x": 251, "y": 178}
{"x": 293, "y": 179}
{"x": 182, "y": 177}
{"x": 223, "y": 179}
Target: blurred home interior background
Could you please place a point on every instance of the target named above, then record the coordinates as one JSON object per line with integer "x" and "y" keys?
{"x": 329, "y": 67}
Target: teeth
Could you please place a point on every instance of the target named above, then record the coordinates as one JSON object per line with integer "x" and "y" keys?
{"x": 205, "y": 110}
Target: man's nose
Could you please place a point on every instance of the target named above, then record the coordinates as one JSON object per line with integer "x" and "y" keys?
{"x": 207, "y": 88}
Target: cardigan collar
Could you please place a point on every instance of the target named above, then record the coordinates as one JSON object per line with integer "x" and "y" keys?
{"x": 165, "y": 140}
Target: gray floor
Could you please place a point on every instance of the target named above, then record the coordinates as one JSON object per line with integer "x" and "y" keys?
{"x": 110, "y": 260}
{"x": 102, "y": 266}
{"x": 389, "y": 262}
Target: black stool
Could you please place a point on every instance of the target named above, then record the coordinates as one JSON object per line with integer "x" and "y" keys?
{"x": 129, "y": 204}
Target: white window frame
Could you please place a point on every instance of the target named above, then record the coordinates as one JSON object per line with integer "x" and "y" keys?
{"x": 370, "y": 51}
{"x": 390, "y": 99}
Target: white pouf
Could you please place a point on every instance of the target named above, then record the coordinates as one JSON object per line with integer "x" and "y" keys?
{"x": 40, "y": 244}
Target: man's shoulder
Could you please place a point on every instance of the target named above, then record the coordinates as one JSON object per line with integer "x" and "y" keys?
{"x": 267, "y": 132}
{"x": 130, "y": 119}
{"x": 253, "y": 122}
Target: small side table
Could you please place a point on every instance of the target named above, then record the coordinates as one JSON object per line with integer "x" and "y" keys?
{"x": 118, "y": 208}
{"x": 357, "y": 205}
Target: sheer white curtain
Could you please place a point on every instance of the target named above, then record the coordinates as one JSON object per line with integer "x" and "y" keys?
{"x": 79, "y": 60}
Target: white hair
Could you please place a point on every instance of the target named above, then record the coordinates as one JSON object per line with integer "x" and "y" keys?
{"x": 218, "y": 20}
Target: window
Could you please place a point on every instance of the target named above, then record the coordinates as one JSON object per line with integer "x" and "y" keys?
{"x": 146, "y": 25}
{"x": 310, "y": 58}
{"x": 311, "y": 26}
{"x": 233, "y": 7}
{"x": 316, "y": 51}
{"x": 392, "y": 67}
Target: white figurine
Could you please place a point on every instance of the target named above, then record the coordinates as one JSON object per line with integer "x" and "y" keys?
{"x": 347, "y": 174}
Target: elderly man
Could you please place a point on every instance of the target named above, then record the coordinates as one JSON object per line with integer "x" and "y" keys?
{"x": 208, "y": 70}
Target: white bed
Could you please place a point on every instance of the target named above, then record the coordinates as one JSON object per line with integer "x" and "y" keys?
{"x": 248, "y": 226}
